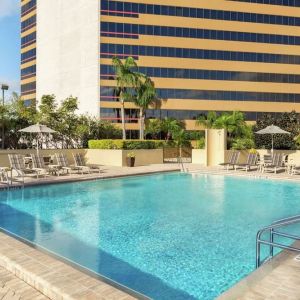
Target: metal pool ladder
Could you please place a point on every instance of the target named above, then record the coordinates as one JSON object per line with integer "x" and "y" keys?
{"x": 273, "y": 231}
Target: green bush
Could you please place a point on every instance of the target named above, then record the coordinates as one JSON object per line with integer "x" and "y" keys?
{"x": 126, "y": 145}
{"x": 200, "y": 144}
{"x": 194, "y": 135}
{"x": 106, "y": 144}
{"x": 242, "y": 144}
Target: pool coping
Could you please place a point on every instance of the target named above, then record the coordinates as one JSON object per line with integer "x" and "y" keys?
{"x": 82, "y": 178}
{"x": 248, "y": 283}
{"x": 32, "y": 274}
{"x": 250, "y": 175}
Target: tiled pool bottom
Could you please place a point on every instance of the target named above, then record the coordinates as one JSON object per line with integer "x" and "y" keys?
{"x": 171, "y": 236}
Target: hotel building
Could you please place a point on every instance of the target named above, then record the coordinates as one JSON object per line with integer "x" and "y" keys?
{"x": 203, "y": 55}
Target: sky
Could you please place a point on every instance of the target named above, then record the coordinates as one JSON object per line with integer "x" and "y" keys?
{"x": 10, "y": 44}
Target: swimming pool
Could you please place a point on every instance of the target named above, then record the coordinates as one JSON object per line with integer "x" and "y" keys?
{"x": 168, "y": 236}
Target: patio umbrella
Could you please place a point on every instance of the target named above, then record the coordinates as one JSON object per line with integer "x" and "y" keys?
{"x": 40, "y": 130}
{"x": 272, "y": 130}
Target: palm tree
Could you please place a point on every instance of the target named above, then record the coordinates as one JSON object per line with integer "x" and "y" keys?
{"x": 207, "y": 121}
{"x": 127, "y": 80}
{"x": 171, "y": 126}
{"x": 145, "y": 96}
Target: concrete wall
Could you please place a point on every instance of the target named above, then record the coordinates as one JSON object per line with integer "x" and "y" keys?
{"x": 215, "y": 145}
{"x": 95, "y": 156}
{"x": 4, "y": 162}
{"x": 68, "y": 51}
{"x": 199, "y": 156}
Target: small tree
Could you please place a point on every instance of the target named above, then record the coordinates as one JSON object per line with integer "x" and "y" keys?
{"x": 171, "y": 126}
{"x": 208, "y": 121}
{"x": 153, "y": 127}
{"x": 126, "y": 79}
{"x": 145, "y": 96}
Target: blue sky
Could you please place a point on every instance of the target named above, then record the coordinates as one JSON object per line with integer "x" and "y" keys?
{"x": 10, "y": 43}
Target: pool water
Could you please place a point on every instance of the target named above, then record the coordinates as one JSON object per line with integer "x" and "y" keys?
{"x": 168, "y": 236}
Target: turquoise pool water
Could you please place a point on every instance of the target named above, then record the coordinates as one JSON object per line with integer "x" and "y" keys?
{"x": 171, "y": 236}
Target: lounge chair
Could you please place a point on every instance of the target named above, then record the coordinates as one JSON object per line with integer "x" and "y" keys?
{"x": 4, "y": 176}
{"x": 251, "y": 162}
{"x": 233, "y": 161}
{"x": 17, "y": 164}
{"x": 38, "y": 163}
{"x": 63, "y": 163}
{"x": 80, "y": 163}
{"x": 231, "y": 154}
{"x": 276, "y": 164}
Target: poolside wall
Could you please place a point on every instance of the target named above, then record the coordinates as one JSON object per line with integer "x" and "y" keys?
{"x": 95, "y": 156}
{"x": 215, "y": 148}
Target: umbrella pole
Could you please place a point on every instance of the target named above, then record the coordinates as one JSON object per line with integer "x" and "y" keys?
{"x": 37, "y": 145}
{"x": 272, "y": 144}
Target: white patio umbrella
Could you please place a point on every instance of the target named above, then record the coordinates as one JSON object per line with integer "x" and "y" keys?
{"x": 272, "y": 130}
{"x": 39, "y": 129}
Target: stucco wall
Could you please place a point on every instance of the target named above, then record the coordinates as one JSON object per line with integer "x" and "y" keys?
{"x": 199, "y": 156}
{"x": 95, "y": 156}
{"x": 68, "y": 51}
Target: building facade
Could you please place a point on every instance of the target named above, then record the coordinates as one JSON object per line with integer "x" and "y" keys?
{"x": 219, "y": 55}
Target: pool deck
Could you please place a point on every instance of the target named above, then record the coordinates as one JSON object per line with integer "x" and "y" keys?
{"x": 106, "y": 173}
{"x": 277, "y": 279}
{"x": 29, "y": 273}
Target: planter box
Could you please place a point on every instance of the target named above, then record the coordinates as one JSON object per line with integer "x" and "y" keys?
{"x": 199, "y": 156}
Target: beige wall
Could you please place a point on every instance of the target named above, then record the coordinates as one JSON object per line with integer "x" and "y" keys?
{"x": 145, "y": 157}
{"x": 4, "y": 162}
{"x": 199, "y": 156}
{"x": 216, "y": 144}
{"x": 95, "y": 156}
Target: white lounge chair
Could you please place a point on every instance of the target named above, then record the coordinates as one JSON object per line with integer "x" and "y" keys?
{"x": 38, "y": 163}
{"x": 233, "y": 160}
{"x": 276, "y": 164}
{"x": 251, "y": 162}
{"x": 17, "y": 164}
{"x": 81, "y": 163}
{"x": 63, "y": 163}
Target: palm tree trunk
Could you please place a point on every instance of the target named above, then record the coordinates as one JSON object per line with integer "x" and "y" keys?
{"x": 123, "y": 120}
{"x": 142, "y": 121}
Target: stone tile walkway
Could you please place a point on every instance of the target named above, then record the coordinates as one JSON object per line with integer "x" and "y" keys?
{"x": 276, "y": 280}
{"x": 13, "y": 288}
{"x": 30, "y": 274}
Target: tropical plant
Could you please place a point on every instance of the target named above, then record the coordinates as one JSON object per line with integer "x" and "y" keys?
{"x": 200, "y": 144}
{"x": 207, "y": 121}
{"x": 127, "y": 80}
{"x": 73, "y": 130}
{"x": 153, "y": 128}
{"x": 171, "y": 126}
{"x": 242, "y": 144}
{"x": 145, "y": 96}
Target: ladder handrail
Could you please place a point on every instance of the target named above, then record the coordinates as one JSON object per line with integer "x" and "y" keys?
{"x": 277, "y": 224}
{"x": 271, "y": 228}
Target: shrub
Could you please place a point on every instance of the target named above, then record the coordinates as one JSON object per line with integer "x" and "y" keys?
{"x": 126, "y": 145}
{"x": 242, "y": 144}
{"x": 106, "y": 144}
{"x": 200, "y": 144}
{"x": 194, "y": 135}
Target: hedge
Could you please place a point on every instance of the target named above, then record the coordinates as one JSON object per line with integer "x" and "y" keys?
{"x": 126, "y": 145}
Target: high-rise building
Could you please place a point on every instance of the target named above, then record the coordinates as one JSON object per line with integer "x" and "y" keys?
{"x": 219, "y": 55}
